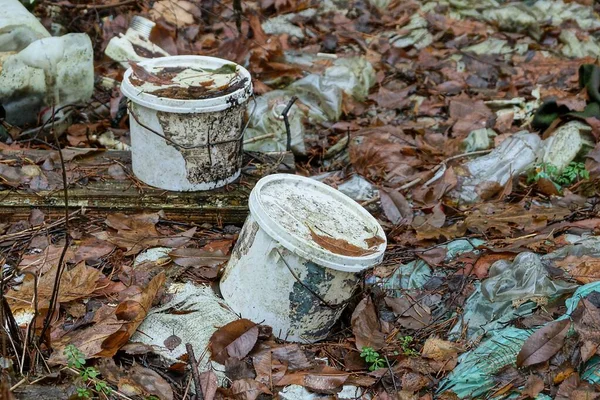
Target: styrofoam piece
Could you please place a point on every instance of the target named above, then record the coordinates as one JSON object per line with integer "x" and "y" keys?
{"x": 202, "y": 313}
{"x": 187, "y": 162}
{"x": 18, "y": 27}
{"x": 298, "y": 287}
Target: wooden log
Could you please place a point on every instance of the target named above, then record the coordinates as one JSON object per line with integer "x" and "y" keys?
{"x": 93, "y": 188}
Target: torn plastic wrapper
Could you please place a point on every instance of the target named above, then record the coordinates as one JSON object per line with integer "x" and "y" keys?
{"x": 319, "y": 99}
{"x": 504, "y": 295}
{"x": 474, "y": 373}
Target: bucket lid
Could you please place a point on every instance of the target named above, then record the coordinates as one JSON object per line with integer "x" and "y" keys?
{"x": 187, "y": 84}
{"x": 317, "y": 222}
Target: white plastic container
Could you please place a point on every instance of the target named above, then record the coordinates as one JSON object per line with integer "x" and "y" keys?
{"x": 280, "y": 276}
{"x": 187, "y": 144}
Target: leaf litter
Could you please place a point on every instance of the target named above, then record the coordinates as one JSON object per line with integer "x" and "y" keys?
{"x": 444, "y": 75}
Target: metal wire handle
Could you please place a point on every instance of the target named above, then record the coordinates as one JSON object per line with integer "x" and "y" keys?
{"x": 208, "y": 142}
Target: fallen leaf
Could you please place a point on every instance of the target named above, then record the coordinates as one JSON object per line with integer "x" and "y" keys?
{"x": 533, "y": 387}
{"x": 440, "y": 350}
{"x": 395, "y": 207}
{"x": 433, "y": 256}
{"x": 469, "y": 116}
{"x": 190, "y": 257}
{"x": 366, "y": 326}
{"x": 141, "y": 381}
{"x": 586, "y": 320}
{"x": 41, "y": 263}
{"x": 543, "y": 343}
{"x": 323, "y": 379}
{"x": 584, "y": 269}
{"x": 209, "y": 384}
{"x": 339, "y": 246}
{"x": 411, "y": 313}
{"x": 172, "y": 342}
{"x": 91, "y": 248}
{"x": 236, "y": 339}
{"x": 248, "y": 389}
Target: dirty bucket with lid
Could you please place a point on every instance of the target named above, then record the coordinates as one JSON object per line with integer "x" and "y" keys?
{"x": 186, "y": 119}
{"x": 297, "y": 259}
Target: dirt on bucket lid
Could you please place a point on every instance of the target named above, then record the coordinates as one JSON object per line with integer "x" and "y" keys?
{"x": 187, "y": 82}
{"x": 317, "y": 222}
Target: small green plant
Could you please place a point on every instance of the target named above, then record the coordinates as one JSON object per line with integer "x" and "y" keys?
{"x": 373, "y": 358}
{"x": 405, "y": 345}
{"x": 89, "y": 375}
{"x": 574, "y": 172}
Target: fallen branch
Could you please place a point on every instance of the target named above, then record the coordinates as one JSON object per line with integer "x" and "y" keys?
{"x": 284, "y": 115}
{"x": 195, "y": 373}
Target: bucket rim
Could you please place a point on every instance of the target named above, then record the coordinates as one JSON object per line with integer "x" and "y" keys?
{"x": 307, "y": 248}
{"x": 186, "y": 106}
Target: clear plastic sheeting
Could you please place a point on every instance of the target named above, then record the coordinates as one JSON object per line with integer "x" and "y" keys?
{"x": 473, "y": 376}
{"x": 504, "y": 295}
{"x": 356, "y": 187}
{"x": 415, "y": 274}
{"x": 319, "y": 100}
{"x": 479, "y": 139}
{"x": 513, "y": 156}
{"x": 523, "y": 279}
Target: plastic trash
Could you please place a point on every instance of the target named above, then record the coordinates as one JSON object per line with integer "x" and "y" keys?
{"x": 479, "y": 139}
{"x": 319, "y": 100}
{"x": 473, "y": 376}
{"x": 505, "y": 294}
{"x": 415, "y": 274}
{"x": 415, "y": 33}
{"x": 191, "y": 120}
{"x": 513, "y": 156}
{"x": 299, "y": 255}
{"x": 282, "y": 24}
{"x": 18, "y": 27}
{"x": 356, "y": 187}
{"x": 566, "y": 143}
{"x": 50, "y": 71}
{"x": 135, "y": 44}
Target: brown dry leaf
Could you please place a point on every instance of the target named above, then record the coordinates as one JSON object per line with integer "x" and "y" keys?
{"x": 386, "y": 98}
{"x": 592, "y": 164}
{"x": 113, "y": 326}
{"x": 440, "y": 350}
{"x": 323, "y": 379}
{"x": 224, "y": 246}
{"x": 366, "y": 326}
{"x": 586, "y": 319}
{"x": 248, "y": 389}
{"x": 338, "y": 246}
{"x": 533, "y": 387}
{"x": 588, "y": 349}
{"x": 395, "y": 207}
{"x": 433, "y": 256}
{"x": 91, "y": 248}
{"x": 411, "y": 313}
{"x": 189, "y": 257}
{"x": 506, "y": 219}
{"x": 469, "y": 115}
{"x": 43, "y": 262}
{"x": 76, "y": 283}
{"x": 236, "y": 339}
{"x": 136, "y": 232}
{"x": 543, "y": 343}
{"x": 117, "y": 172}
{"x": 179, "y": 13}
{"x": 141, "y": 381}
{"x": 209, "y": 384}
{"x": 584, "y": 269}
{"x": 483, "y": 263}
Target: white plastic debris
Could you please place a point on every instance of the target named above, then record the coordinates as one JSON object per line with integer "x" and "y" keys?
{"x": 193, "y": 314}
{"x": 50, "y": 71}
{"x": 283, "y": 23}
{"x": 566, "y": 143}
{"x": 18, "y": 27}
{"x": 515, "y": 155}
{"x": 479, "y": 139}
{"x": 135, "y": 44}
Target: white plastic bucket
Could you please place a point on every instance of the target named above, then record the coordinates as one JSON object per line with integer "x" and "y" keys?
{"x": 280, "y": 276}
{"x": 186, "y": 145}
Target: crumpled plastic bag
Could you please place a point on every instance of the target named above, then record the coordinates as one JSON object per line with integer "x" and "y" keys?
{"x": 522, "y": 279}
{"x": 319, "y": 99}
{"x": 504, "y": 296}
{"x": 473, "y": 376}
{"x": 513, "y": 156}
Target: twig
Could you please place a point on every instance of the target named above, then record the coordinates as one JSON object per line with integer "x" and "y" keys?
{"x": 195, "y": 373}
{"x": 103, "y": 6}
{"x": 284, "y": 115}
{"x": 60, "y": 266}
{"x": 391, "y": 373}
{"x": 258, "y": 138}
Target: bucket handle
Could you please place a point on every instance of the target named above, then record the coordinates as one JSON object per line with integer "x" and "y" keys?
{"x": 316, "y": 295}
{"x": 184, "y": 147}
